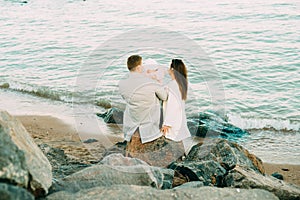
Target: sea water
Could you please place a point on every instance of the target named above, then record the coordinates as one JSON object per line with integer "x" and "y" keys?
{"x": 46, "y": 47}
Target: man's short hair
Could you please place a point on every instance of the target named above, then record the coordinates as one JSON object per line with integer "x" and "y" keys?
{"x": 134, "y": 61}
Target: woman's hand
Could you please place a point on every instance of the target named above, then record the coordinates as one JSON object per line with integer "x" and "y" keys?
{"x": 165, "y": 129}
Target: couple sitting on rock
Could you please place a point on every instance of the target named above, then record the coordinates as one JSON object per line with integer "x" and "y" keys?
{"x": 149, "y": 136}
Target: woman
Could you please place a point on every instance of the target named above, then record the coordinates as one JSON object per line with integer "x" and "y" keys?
{"x": 174, "y": 123}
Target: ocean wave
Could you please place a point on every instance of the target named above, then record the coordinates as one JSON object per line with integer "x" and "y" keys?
{"x": 41, "y": 91}
{"x": 248, "y": 123}
{"x": 57, "y": 95}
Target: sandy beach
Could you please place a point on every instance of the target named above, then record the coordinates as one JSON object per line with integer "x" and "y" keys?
{"x": 57, "y": 133}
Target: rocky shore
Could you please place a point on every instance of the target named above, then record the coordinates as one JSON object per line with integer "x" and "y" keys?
{"x": 45, "y": 161}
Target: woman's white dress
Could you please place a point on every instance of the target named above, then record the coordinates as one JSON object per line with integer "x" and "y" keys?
{"x": 175, "y": 117}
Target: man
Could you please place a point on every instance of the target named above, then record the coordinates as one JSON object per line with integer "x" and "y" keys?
{"x": 142, "y": 95}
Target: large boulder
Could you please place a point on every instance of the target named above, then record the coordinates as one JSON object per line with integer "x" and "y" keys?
{"x": 228, "y": 154}
{"x": 108, "y": 175}
{"x": 13, "y": 167}
{"x": 160, "y": 152}
{"x": 210, "y": 160}
{"x": 118, "y": 159}
{"x": 164, "y": 177}
{"x": 247, "y": 178}
{"x": 11, "y": 192}
{"x": 210, "y": 124}
{"x": 148, "y": 193}
{"x": 22, "y": 162}
{"x": 112, "y": 116}
{"x": 222, "y": 163}
{"x": 210, "y": 173}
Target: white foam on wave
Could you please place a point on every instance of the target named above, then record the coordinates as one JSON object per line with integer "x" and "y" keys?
{"x": 263, "y": 123}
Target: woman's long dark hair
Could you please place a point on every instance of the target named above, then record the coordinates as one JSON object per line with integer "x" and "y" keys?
{"x": 180, "y": 73}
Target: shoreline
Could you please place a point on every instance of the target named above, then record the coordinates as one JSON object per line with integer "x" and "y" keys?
{"x": 59, "y": 134}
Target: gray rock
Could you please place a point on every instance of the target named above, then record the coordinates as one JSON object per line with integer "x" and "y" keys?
{"x": 211, "y": 173}
{"x": 227, "y": 153}
{"x": 210, "y": 160}
{"x": 285, "y": 169}
{"x": 91, "y": 140}
{"x": 11, "y": 192}
{"x": 148, "y": 193}
{"x": 13, "y": 167}
{"x": 105, "y": 175}
{"x": 213, "y": 125}
{"x": 118, "y": 159}
{"x": 62, "y": 165}
{"x": 119, "y": 147}
{"x": 193, "y": 184}
{"x": 4, "y": 85}
{"x": 104, "y": 103}
{"x": 22, "y": 161}
{"x": 112, "y": 116}
{"x": 247, "y": 178}
{"x": 277, "y": 175}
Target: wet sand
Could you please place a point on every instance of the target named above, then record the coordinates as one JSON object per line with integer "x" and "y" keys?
{"x": 291, "y": 173}
{"x": 56, "y": 133}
